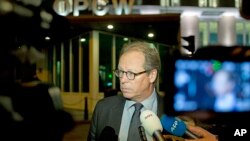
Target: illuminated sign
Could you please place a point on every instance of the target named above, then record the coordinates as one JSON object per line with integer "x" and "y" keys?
{"x": 98, "y": 7}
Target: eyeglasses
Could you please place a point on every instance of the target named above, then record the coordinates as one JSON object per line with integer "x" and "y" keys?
{"x": 130, "y": 75}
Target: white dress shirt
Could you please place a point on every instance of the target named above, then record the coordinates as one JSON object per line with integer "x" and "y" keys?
{"x": 148, "y": 104}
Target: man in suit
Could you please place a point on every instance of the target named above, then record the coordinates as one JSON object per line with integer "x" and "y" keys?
{"x": 138, "y": 69}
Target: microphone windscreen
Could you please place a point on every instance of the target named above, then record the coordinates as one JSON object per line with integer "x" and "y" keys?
{"x": 150, "y": 122}
{"x": 173, "y": 125}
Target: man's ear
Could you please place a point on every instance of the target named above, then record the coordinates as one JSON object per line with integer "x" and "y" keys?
{"x": 153, "y": 75}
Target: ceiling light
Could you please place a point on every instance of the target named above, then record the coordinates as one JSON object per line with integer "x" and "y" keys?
{"x": 125, "y": 39}
{"x": 151, "y": 35}
{"x": 110, "y": 26}
{"x": 47, "y": 38}
{"x": 83, "y": 39}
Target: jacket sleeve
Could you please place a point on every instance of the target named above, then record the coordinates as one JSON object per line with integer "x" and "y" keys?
{"x": 92, "y": 135}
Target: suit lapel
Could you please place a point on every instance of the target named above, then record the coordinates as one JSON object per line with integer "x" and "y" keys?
{"x": 116, "y": 113}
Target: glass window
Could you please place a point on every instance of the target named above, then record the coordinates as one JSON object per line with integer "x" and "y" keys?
{"x": 248, "y": 39}
{"x": 213, "y": 38}
{"x": 247, "y": 25}
{"x": 203, "y": 39}
{"x": 239, "y": 39}
{"x": 237, "y": 3}
{"x": 213, "y": 3}
{"x": 75, "y": 63}
{"x": 84, "y": 57}
{"x": 50, "y": 64}
{"x": 175, "y": 3}
{"x": 213, "y": 35}
{"x": 119, "y": 42}
{"x": 58, "y": 65}
{"x": 166, "y": 54}
{"x": 66, "y": 66}
{"x": 105, "y": 61}
{"x": 58, "y": 73}
{"x": 202, "y": 3}
{"x": 240, "y": 33}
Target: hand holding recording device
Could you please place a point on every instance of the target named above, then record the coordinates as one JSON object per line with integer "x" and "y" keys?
{"x": 176, "y": 127}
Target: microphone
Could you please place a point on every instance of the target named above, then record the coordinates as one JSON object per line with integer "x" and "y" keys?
{"x": 142, "y": 134}
{"x": 108, "y": 134}
{"x": 152, "y": 124}
{"x": 176, "y": 127}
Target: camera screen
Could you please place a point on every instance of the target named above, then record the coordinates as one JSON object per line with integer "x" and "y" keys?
{"x": 214, "y": 85}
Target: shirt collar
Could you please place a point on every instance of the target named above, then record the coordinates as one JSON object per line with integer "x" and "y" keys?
{"x": 147, "y": 103}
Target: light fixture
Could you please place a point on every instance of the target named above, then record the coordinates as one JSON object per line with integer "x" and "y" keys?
{"x": 83, "y": 39}
{"x": 47, "y": 38}
{"x": 125, "y": 39}
{"x": 151, "y": 35}
{"x": 110, "y": 26}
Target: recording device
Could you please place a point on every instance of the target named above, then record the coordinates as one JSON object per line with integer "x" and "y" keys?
{"x": 199, "y": 82}
{"x": 152, "y": 124}
{"x": 216, "y": 86}
{"x": 176, "y": 127}
{"x": 142, "y": 134}
{"x": 108, "y": 134}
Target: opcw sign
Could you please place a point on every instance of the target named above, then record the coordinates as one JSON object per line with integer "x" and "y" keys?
{"x": 99, "y": 7}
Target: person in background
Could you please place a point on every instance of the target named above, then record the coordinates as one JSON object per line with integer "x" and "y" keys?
{"x": 138, "y": 70}
{"x": 9, "y": 118}
{"x": 30, "y": 109}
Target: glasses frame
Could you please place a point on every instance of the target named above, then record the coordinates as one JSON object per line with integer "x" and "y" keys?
{"x": 117, "y": 72}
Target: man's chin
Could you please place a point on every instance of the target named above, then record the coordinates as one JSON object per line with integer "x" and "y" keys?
{"x": 127, "y": 95}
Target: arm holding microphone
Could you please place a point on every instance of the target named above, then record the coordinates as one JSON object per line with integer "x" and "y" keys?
{"x": 154, "y": 126}
{"x": 177, "y": 127}
{"x": 205, "y": 135}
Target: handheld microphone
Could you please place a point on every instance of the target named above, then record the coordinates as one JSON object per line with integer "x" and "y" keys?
{"x": 143, "y": 136}
{"x": 176, "y": 127}
{"x": 152, "y": 124}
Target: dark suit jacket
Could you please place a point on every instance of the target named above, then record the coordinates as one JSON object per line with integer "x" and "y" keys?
{"x": 108, "y": 112}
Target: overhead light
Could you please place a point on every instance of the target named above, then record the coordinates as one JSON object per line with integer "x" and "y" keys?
{"x": 83, "y": 39}
{"x": 125, "y": 39}
{"x": 151, "y": 35}
{"x": 47, "y": 38}
{"x": 110, "y": 26}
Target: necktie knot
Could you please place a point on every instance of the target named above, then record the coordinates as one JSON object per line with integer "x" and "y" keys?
{"x": 138, "y": 106}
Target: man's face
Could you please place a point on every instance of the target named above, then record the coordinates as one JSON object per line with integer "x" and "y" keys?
{"x": 142, "y": 86}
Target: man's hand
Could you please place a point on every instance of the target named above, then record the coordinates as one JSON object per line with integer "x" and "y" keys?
{"x": 172, "y": 138}
{"x": 205, "y": 135}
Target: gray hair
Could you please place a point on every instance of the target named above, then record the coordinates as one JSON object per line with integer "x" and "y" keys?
{"x": 151, "y": 54}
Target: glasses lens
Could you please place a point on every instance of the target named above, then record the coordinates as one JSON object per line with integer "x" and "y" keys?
{"x": 118, "y": 73}
{"x": 130, "y": 75}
